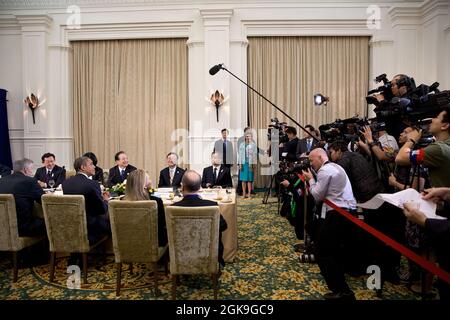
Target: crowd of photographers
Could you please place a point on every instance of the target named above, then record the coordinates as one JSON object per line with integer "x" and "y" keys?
{"x": 349, "y": 162}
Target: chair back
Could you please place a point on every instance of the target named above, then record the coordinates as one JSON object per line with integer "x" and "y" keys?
{"x": 134, "y": 227}
{"x": 193, "y": 234}
{"x": 9, "y": 232}
{"x": 70, "y": 173}
{"x": 65, "y": 219}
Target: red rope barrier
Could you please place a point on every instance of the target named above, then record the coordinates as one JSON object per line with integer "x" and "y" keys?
{"x": 427, "y": 265}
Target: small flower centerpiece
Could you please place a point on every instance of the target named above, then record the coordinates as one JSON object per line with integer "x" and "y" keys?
{"x": 118, "y": 189}
{"x": 151, "y": 190}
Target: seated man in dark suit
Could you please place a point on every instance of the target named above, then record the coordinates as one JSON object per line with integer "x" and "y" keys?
{"x": 191, "y": 185}
{"x": 96, "y": 203}
{"x": 120, "y": 171}
{"x": 217, "y": 174}
{"x": 4, "y": 171}
{"x": 50, "y": 171}
{"x": 171, "y": 176}
{"x": 26, "y": 191}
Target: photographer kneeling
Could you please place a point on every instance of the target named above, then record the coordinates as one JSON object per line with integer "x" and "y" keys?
{"x": 333, "y": 184}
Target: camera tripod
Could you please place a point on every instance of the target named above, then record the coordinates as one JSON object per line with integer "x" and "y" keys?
{"x": 268, "y": 192}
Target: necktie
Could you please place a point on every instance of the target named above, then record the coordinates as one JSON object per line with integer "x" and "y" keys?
{"x": 122, "y": 174}
{"x": 224, "y": 152}
{"x": 171, "y": 174}
{"x": 215, "y": 176}
{"x": 309, "y": 145}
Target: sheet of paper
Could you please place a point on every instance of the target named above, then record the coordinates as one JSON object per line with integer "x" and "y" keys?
{"x": 399, "y": 198}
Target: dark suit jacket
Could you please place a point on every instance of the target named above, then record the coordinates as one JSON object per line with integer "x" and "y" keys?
{"x": 58, "y": 174}
{"x": 96, "y": 207}
{"x": 291, "y": 148}
{"x": 196, "y": 201}
{"x": 26, "y": 191}
{"x": 218, "y": 147}
{"x": 303, "y": 146}
{"x": 164, "y": 178}
{"x": 114, "y": 175}
{"x": 162, "y": 228}
{"x": 223, "y": 179}
{"x": 4, "y": 171}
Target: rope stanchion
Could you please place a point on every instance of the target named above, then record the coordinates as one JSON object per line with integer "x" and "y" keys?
{"x": 427, "y": 265}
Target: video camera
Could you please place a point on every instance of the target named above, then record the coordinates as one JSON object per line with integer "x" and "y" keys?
{"x": 426, "y": 137}
{"x": 349, "y": 129}
{"x": 385, "y": 90}
{"x": 290, "y": 170}
{"x": 418, "y": 103}
{"x": 280, "y": 126}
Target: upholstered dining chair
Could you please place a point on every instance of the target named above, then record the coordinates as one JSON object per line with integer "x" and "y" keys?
{"x": 134, "y": 226}
{"x": 9, "y": 232}
{"x": 65, "y": 220}
{"x": 70, "y": 173}
{"x": 193, "y": 234}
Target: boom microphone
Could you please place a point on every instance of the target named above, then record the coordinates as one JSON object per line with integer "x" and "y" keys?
{"x": 215, "y": 69}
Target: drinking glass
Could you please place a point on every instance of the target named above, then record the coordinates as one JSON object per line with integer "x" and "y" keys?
{"x": 51, "y": 183}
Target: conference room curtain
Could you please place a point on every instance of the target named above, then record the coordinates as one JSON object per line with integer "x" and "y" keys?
{"x": 290, "y": 70}
{"x": 130, "y": 95}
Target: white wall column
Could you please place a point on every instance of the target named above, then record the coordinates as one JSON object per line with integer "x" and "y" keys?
{"x": 35, "y": 29}
{"x": 407, "y": 30}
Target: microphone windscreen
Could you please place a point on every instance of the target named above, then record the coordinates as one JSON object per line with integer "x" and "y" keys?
{"x": 215, "y": 69}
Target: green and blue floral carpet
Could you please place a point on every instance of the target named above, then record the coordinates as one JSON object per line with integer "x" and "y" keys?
{"x": 266, "y": 267}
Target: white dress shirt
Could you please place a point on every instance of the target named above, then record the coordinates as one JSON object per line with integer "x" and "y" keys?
{"x": 388, "y": 141}
{"x": 333, "y": 184}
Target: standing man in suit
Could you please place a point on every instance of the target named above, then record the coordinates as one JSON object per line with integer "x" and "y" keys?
{"x": 307, "y": 144}
{"x": 290, "y": 147}
{"x": 96, "y": 203}
{"x": 216, "y": 174}
{"x": 120, "y": 171}
{"x": 224, "y": 148}
{"x": 50, "y": 171}
{"x": 26, "y": 191}
{"x": 172, "y": 174}
{"x": 191, "y": 185}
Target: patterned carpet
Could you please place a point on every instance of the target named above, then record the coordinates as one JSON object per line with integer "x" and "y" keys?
{"x": 266, "y": 268}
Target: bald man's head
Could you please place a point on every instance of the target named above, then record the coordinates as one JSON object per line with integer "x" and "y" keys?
{"x": 191, "y": 181}
{"x": 318, "y": 157}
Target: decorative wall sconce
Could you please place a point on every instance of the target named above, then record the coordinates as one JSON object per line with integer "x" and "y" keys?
{"x": 217, "y": 99}
{"x": 32, "y": 103}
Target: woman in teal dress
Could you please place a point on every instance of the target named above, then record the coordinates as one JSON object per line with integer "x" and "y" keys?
{"x": 247, "y": 161}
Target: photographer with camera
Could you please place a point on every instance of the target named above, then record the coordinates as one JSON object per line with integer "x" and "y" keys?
{"x": 388, "y": 218}
{"x": 436, "y": 156}
{"x": 290, "y": 147}
{"x": 385, "y": 150}
{"x": 365, "y": 184}
{"x": 362, "y": 176}
{"x": 294, "y": 182}
{"x": 332, "y": 183}
{"x": 387, "y": 96}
